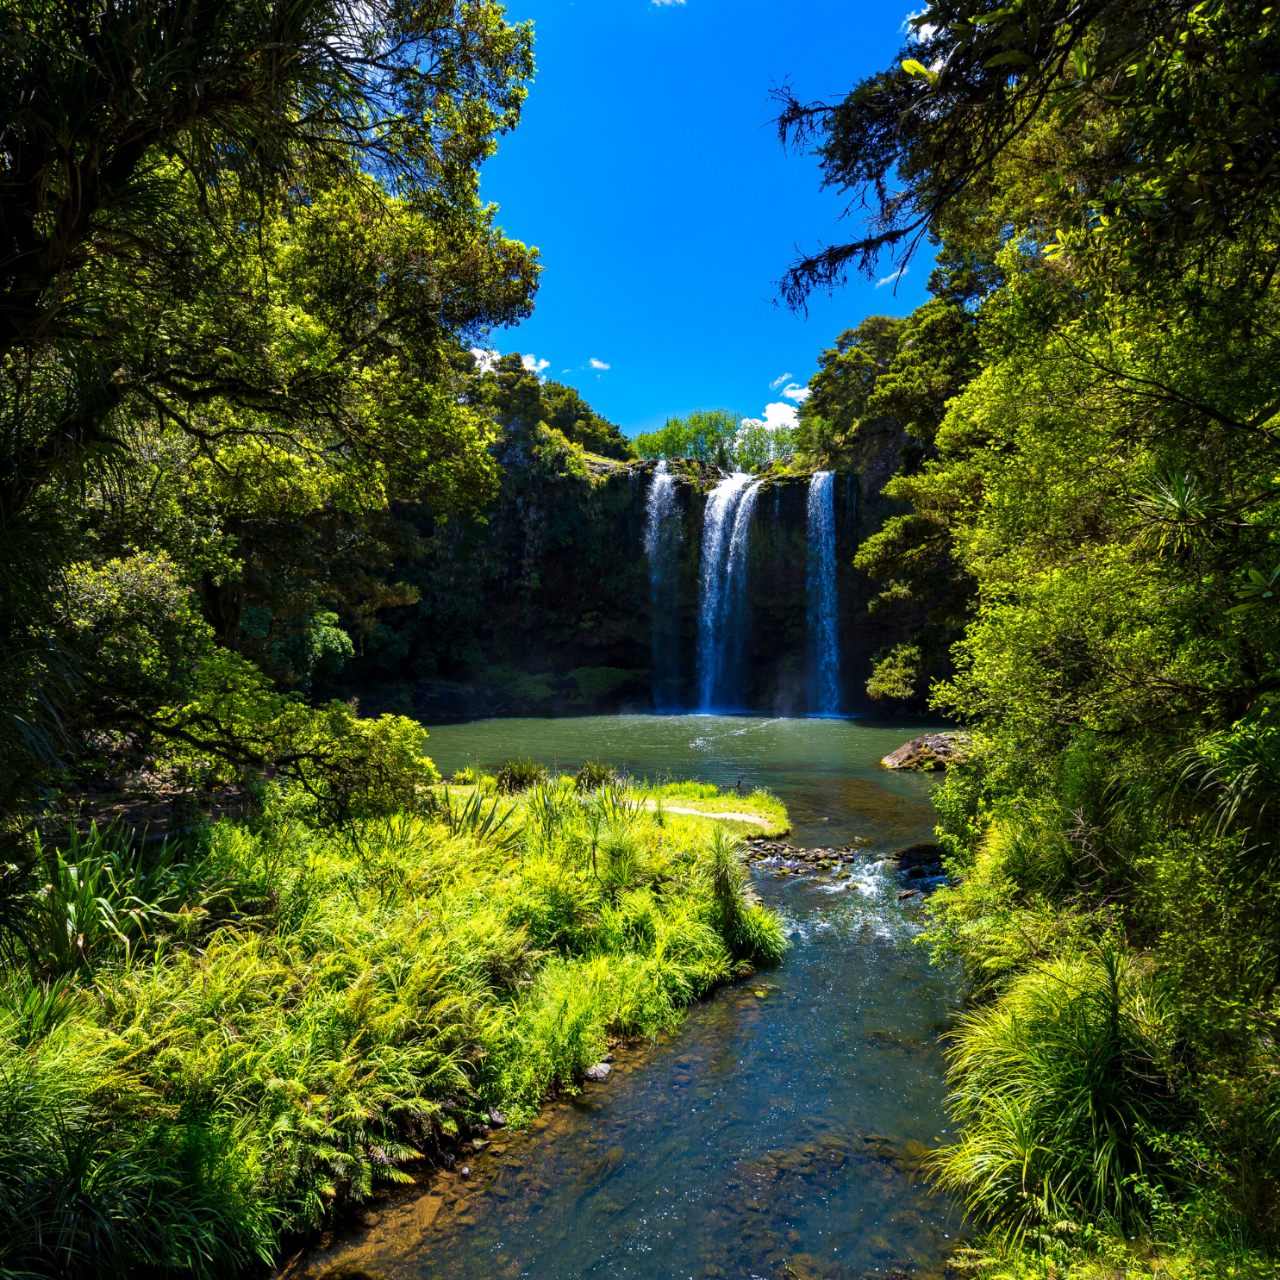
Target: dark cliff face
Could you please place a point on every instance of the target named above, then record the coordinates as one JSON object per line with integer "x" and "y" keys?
{"x": 547, "y": 606}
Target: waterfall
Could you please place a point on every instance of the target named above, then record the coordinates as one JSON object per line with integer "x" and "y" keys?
{"x": 722, "y": 604}
{"x": 662, "y": 545}
{"x": 824, "y": 630}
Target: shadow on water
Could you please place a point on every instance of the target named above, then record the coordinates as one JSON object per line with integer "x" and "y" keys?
{"x": 778, "y": 1133}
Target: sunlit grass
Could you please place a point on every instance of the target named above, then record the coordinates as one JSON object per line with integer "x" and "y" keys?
{"x": 299, "y": 1011}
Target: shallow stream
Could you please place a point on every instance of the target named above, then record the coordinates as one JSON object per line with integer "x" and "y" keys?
{"x": 778, "y": 1133}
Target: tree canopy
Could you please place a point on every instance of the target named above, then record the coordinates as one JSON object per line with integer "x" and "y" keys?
{"x": 1163, "y": 135}
{"x": 719, "y": 436}
{"x": 243, "y": 246}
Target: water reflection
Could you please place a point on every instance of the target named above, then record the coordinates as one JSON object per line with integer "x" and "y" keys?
{"x": 778, "y": 1134}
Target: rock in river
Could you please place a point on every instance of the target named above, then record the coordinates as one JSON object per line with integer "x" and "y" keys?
{"x": 921, "y": 854}
{"x": 929, "y": 751}
{"x": 599, "y": 1072}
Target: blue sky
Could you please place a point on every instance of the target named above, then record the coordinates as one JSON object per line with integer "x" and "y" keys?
{"x": 648, "y": 172}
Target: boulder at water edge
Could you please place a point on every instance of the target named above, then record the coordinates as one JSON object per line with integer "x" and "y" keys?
{"x": 929, "y": 751}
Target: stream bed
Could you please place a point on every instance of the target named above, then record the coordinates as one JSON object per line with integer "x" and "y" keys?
{"x": 777, "y": 1133}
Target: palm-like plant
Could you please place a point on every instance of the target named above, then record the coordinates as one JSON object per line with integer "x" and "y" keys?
{"x": 484, "y": 826}
{"x": 726, "y": 872}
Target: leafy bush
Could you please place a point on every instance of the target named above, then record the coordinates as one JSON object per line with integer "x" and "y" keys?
{"x": 471, "y": 776}
{"x": 519, "y": 775}
{"x": 1059, "y": 1084}
{"x": 593, "y": 775}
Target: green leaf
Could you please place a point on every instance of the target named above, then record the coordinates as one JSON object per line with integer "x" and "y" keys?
{"x": 1013, "y": 58}
{"x": 919, "y": 71}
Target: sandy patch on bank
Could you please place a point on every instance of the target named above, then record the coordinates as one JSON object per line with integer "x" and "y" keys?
{"x": 722, "y": 813}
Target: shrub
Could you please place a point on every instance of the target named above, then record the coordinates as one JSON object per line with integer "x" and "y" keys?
{"x": 1057, "y": 1084}
{"x": 519, "y": 775}
{"x": 593, "y": 775}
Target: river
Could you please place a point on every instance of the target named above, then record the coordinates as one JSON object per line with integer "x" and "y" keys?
{"x": 779, "y": 1131}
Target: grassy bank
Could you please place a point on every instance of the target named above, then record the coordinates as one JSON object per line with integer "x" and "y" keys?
{"x": 210, "y": 1047}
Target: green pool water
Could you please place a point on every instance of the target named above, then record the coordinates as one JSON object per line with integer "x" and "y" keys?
{"x": 826, "y": 771}
{"x": 779, "y": 1132}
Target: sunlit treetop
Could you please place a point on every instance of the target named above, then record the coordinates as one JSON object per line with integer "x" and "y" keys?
{"x": 1171, "y": 107}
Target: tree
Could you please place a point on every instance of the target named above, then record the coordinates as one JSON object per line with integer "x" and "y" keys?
{"x": 1140, "y": 85}
{"x": 568, "y": 412}
{"x": 188, "y": 117}
{"x": 706, "y": 434}
{"x": 240, "y": 245}
{"x": 519, "y": 397}
{"x": 842, "y": 387}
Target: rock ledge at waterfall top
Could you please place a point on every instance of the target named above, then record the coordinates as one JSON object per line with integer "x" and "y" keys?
{"x": 929, "y": 751}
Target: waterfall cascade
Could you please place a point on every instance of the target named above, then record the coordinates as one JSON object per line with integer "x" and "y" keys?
{"x": 722, "y": 604}
{"x": 824, "y": 629}
{"x": 662, "y": 534}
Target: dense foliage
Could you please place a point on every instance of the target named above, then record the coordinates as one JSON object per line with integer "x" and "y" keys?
{"x": 521, "y": 399}
{"x": 210, "y": 1044}
{"x": 242, "y": 248}
{"x": 1089, "y": 510}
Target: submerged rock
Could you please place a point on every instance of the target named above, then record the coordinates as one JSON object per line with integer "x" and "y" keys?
{"x": 930, "y": 751}
{"x": 916, "y": 855}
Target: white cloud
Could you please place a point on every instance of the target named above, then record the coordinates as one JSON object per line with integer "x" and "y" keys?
{"x": 660, "y": 3}
{"x": 775, "y": 415}
{"x": 593, "y": 362}
{"x": 533, "y": 365}
{"x": 484, "y": 359}
{"x": 777, "y": 382}
{"x": 796, "y": 392}
{"x": 889, "y": 279}
{"x": 924, "y": 32}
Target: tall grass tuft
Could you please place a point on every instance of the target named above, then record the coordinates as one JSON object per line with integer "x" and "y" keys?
{"x": 1058, "y": 1086}
{"x": 593, "y": 775}
{"x": 519, "y": 775}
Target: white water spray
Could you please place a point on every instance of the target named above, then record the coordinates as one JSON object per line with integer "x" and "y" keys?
{"x": 719, "y": 527}
{"x": 661, "y": 545}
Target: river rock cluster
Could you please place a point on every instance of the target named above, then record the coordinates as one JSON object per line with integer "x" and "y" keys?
{"x": 761, "y": 850}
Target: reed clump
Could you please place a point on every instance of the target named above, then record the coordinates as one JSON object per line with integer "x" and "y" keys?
{"x": 210, "y": 1044}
